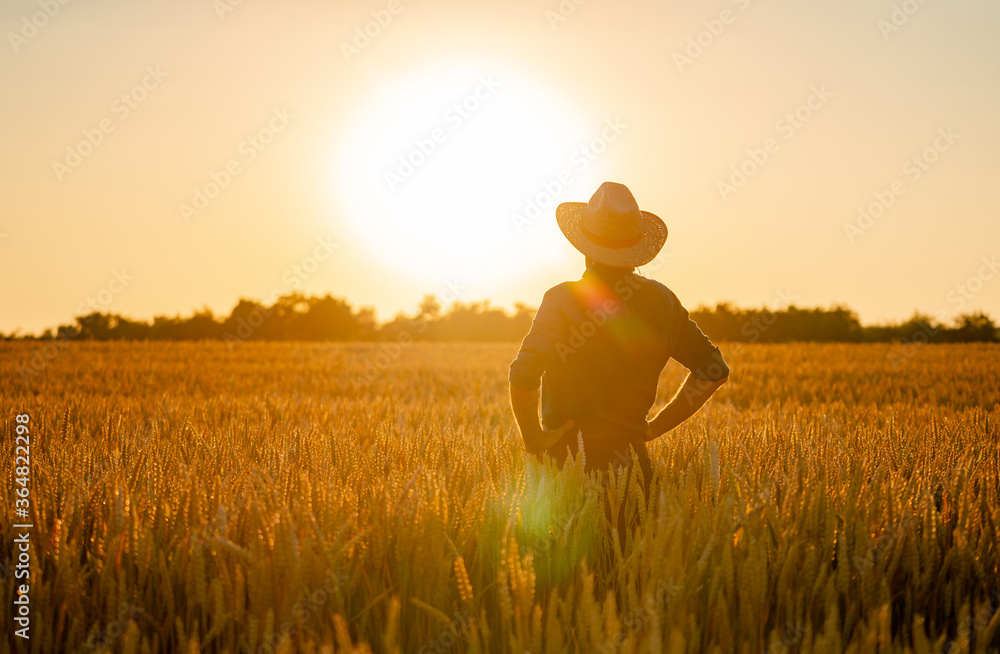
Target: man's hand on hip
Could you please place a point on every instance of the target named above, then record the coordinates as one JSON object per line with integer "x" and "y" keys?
{"x": 545, "y": 438}
{"x": 691, "y": 396}
{"x": 524, "y": 403}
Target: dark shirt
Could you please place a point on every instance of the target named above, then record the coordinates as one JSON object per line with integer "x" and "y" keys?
{"x": 598, "y": 346}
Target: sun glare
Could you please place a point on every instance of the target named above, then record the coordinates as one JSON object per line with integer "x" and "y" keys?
{"x": 457, "y": 172}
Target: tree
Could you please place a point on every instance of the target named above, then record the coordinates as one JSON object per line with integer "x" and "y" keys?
{"x": 973, "y": 327}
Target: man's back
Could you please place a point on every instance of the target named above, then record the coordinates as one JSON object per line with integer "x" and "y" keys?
{"x": 601, "y": 343}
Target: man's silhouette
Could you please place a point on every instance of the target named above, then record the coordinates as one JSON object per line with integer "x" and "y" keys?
{"x": 597, "y": 345}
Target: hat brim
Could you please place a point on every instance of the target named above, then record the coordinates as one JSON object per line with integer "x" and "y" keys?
{"x": 653, "y": 235}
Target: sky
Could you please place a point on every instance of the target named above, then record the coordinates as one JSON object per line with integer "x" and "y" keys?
{"x": 161, "y": 157}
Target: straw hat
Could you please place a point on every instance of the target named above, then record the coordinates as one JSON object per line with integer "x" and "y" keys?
{"x": 610, "y": 229}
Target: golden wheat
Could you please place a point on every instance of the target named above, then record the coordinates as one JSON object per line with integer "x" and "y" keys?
{"x": 272, "y": 498}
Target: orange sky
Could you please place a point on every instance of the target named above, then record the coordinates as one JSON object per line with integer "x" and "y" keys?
{"x": 164, "y": 156}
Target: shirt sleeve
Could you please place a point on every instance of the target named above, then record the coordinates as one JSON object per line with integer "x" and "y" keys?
{"x": 693, "y": 349}
{"x": 538, "y": 348}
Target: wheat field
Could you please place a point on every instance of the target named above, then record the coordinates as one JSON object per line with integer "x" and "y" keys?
{"x": 353, "y": 497}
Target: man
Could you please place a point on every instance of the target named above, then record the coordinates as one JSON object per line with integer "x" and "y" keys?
{"x": 598, "y": 345}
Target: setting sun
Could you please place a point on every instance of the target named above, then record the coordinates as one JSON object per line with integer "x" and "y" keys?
{"x": 439, "y": 170}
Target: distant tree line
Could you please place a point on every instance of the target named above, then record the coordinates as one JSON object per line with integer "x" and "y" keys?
{"x": 837, "y": 324}
{"x": 296, "y": 317}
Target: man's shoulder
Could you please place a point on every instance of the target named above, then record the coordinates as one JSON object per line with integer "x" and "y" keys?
{"x": 624, "y": 286}
{"x": 655, "y": 286}
{"x": 631, "y": 280}
{"x": 563, "y": 289}
{"x": 666, "y": 290}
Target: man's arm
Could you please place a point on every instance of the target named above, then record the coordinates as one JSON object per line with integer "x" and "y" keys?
{"x": 536, "y": 354}
{"x": 524, "y": 403}
{"x": 696, "y": 352}
{"x": 691, "y": 396}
